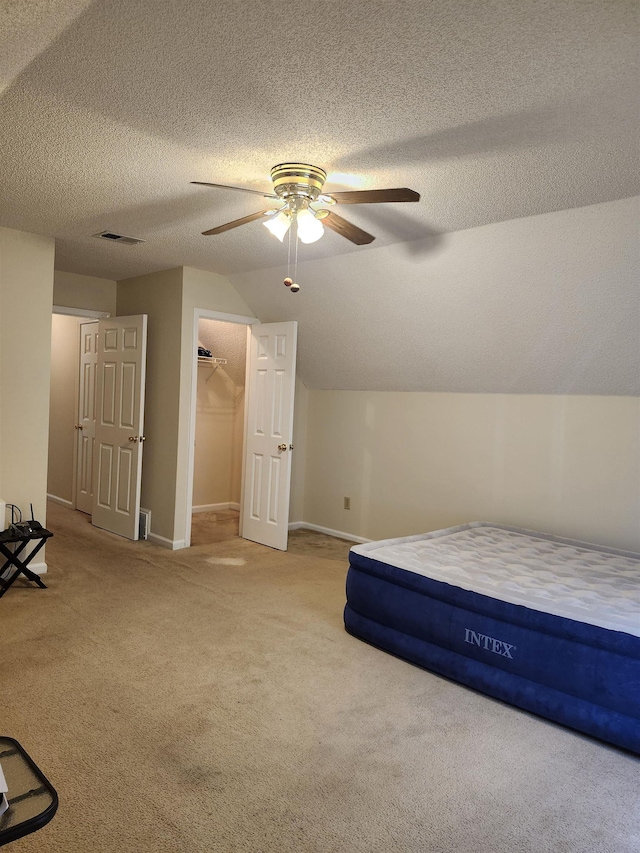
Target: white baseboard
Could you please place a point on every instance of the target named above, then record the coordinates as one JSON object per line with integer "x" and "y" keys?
{"x": 339, "y": 534}
{"x": 215, "y": 507}
{"x": 171, "y": 544}
{"x": 56, "y": 500}
{"x": 36, "y": 568}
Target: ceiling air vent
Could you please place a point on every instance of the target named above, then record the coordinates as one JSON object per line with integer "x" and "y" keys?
{"x": 119, "y": 238}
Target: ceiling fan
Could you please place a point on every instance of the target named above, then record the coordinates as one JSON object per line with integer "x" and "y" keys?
{"x": 298, "y": 186}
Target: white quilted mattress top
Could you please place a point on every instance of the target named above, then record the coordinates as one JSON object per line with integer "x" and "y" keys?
{"x": 576, "y": 580}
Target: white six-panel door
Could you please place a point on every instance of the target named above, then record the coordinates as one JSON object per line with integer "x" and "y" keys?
{"x": 122, "y": 343}
{"x": 86, "y": 424}
{"x": 271, "y": 370}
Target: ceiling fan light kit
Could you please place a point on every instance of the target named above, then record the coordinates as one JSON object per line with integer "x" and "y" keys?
{"x": 278, "y": 222}
{"x": 310, "y": 228}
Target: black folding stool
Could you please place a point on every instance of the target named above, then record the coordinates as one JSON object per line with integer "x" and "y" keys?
{"x": 12, "y": 558}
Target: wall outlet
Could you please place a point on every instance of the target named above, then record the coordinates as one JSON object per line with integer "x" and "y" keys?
{"x": 347, "y": 503}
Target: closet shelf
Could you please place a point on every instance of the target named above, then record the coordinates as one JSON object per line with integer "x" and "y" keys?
{"x": 212, "y": 361}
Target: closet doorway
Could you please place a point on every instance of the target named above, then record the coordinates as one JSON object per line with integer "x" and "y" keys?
{"x": 260, "y": 452}
{"x": 219, "y": 430}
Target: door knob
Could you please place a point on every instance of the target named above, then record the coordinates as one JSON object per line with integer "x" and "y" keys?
{"x": 133, "y": 438}
{"x": 78, "y": 426}
{"x": 282, "y": 447}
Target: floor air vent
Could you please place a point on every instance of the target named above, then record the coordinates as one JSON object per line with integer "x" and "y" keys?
{"x": 119, "y": 238}
{"x": 144, "y": 523}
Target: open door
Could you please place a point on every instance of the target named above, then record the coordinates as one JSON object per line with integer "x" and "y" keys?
{"x": 86, "y": 425}
{"x": 122, "y": 346}
{"x": 271, "y": 372}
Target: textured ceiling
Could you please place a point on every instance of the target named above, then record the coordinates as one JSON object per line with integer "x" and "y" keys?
{"x": 493, "y": 110}
{"x": 27, "y": 27}
{"x": 490, "y": 109}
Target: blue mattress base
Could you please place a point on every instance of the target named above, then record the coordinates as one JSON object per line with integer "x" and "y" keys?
{"x": 582, "y": 676}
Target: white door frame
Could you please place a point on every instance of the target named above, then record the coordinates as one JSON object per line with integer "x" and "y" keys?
{"x": 203, "y": 314}
{"x": 82, "y": 313}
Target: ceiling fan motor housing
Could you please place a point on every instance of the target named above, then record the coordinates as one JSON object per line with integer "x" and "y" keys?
{"x": 298, "y": 181}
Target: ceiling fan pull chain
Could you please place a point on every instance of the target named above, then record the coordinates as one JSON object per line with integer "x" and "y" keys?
{"x": 288, "y": 282}
{"x": 295, "y": 265}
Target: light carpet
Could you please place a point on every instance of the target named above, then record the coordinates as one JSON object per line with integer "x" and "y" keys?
{"x": 210, "y": 700}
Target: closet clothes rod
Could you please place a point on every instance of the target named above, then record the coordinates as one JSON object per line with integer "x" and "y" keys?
{"x": 211, "y": 362}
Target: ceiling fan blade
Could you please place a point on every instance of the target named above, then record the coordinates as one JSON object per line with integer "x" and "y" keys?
{"x": 237, "y": 189}
{"x": 229, "y": 225}
{"x": 374, "y": 196}
{"x": 346, "y": 229}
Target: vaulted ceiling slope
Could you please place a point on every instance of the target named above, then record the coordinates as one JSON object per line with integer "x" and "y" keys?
{"x": 491, "y": 110}
{"x": 548, "y": 304}
{"x": 28, "y": 27}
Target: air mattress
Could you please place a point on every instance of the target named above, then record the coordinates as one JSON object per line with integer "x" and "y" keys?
{"x": 547, "y": 624}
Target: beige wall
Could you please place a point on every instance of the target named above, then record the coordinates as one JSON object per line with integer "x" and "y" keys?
{"x": 63, "y": 406}
{"x": 159, "y": 295}
{"x": 84, "y": 291}
{"x": 26, "y": 297}
{"x": 214, "y": 292}
{"x": 412, "y": 462}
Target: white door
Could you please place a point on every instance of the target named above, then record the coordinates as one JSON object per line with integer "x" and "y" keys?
{"x": 86, "y": 425}
{"x": 271, "y": 373}
{"x": 122, "y": 345}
